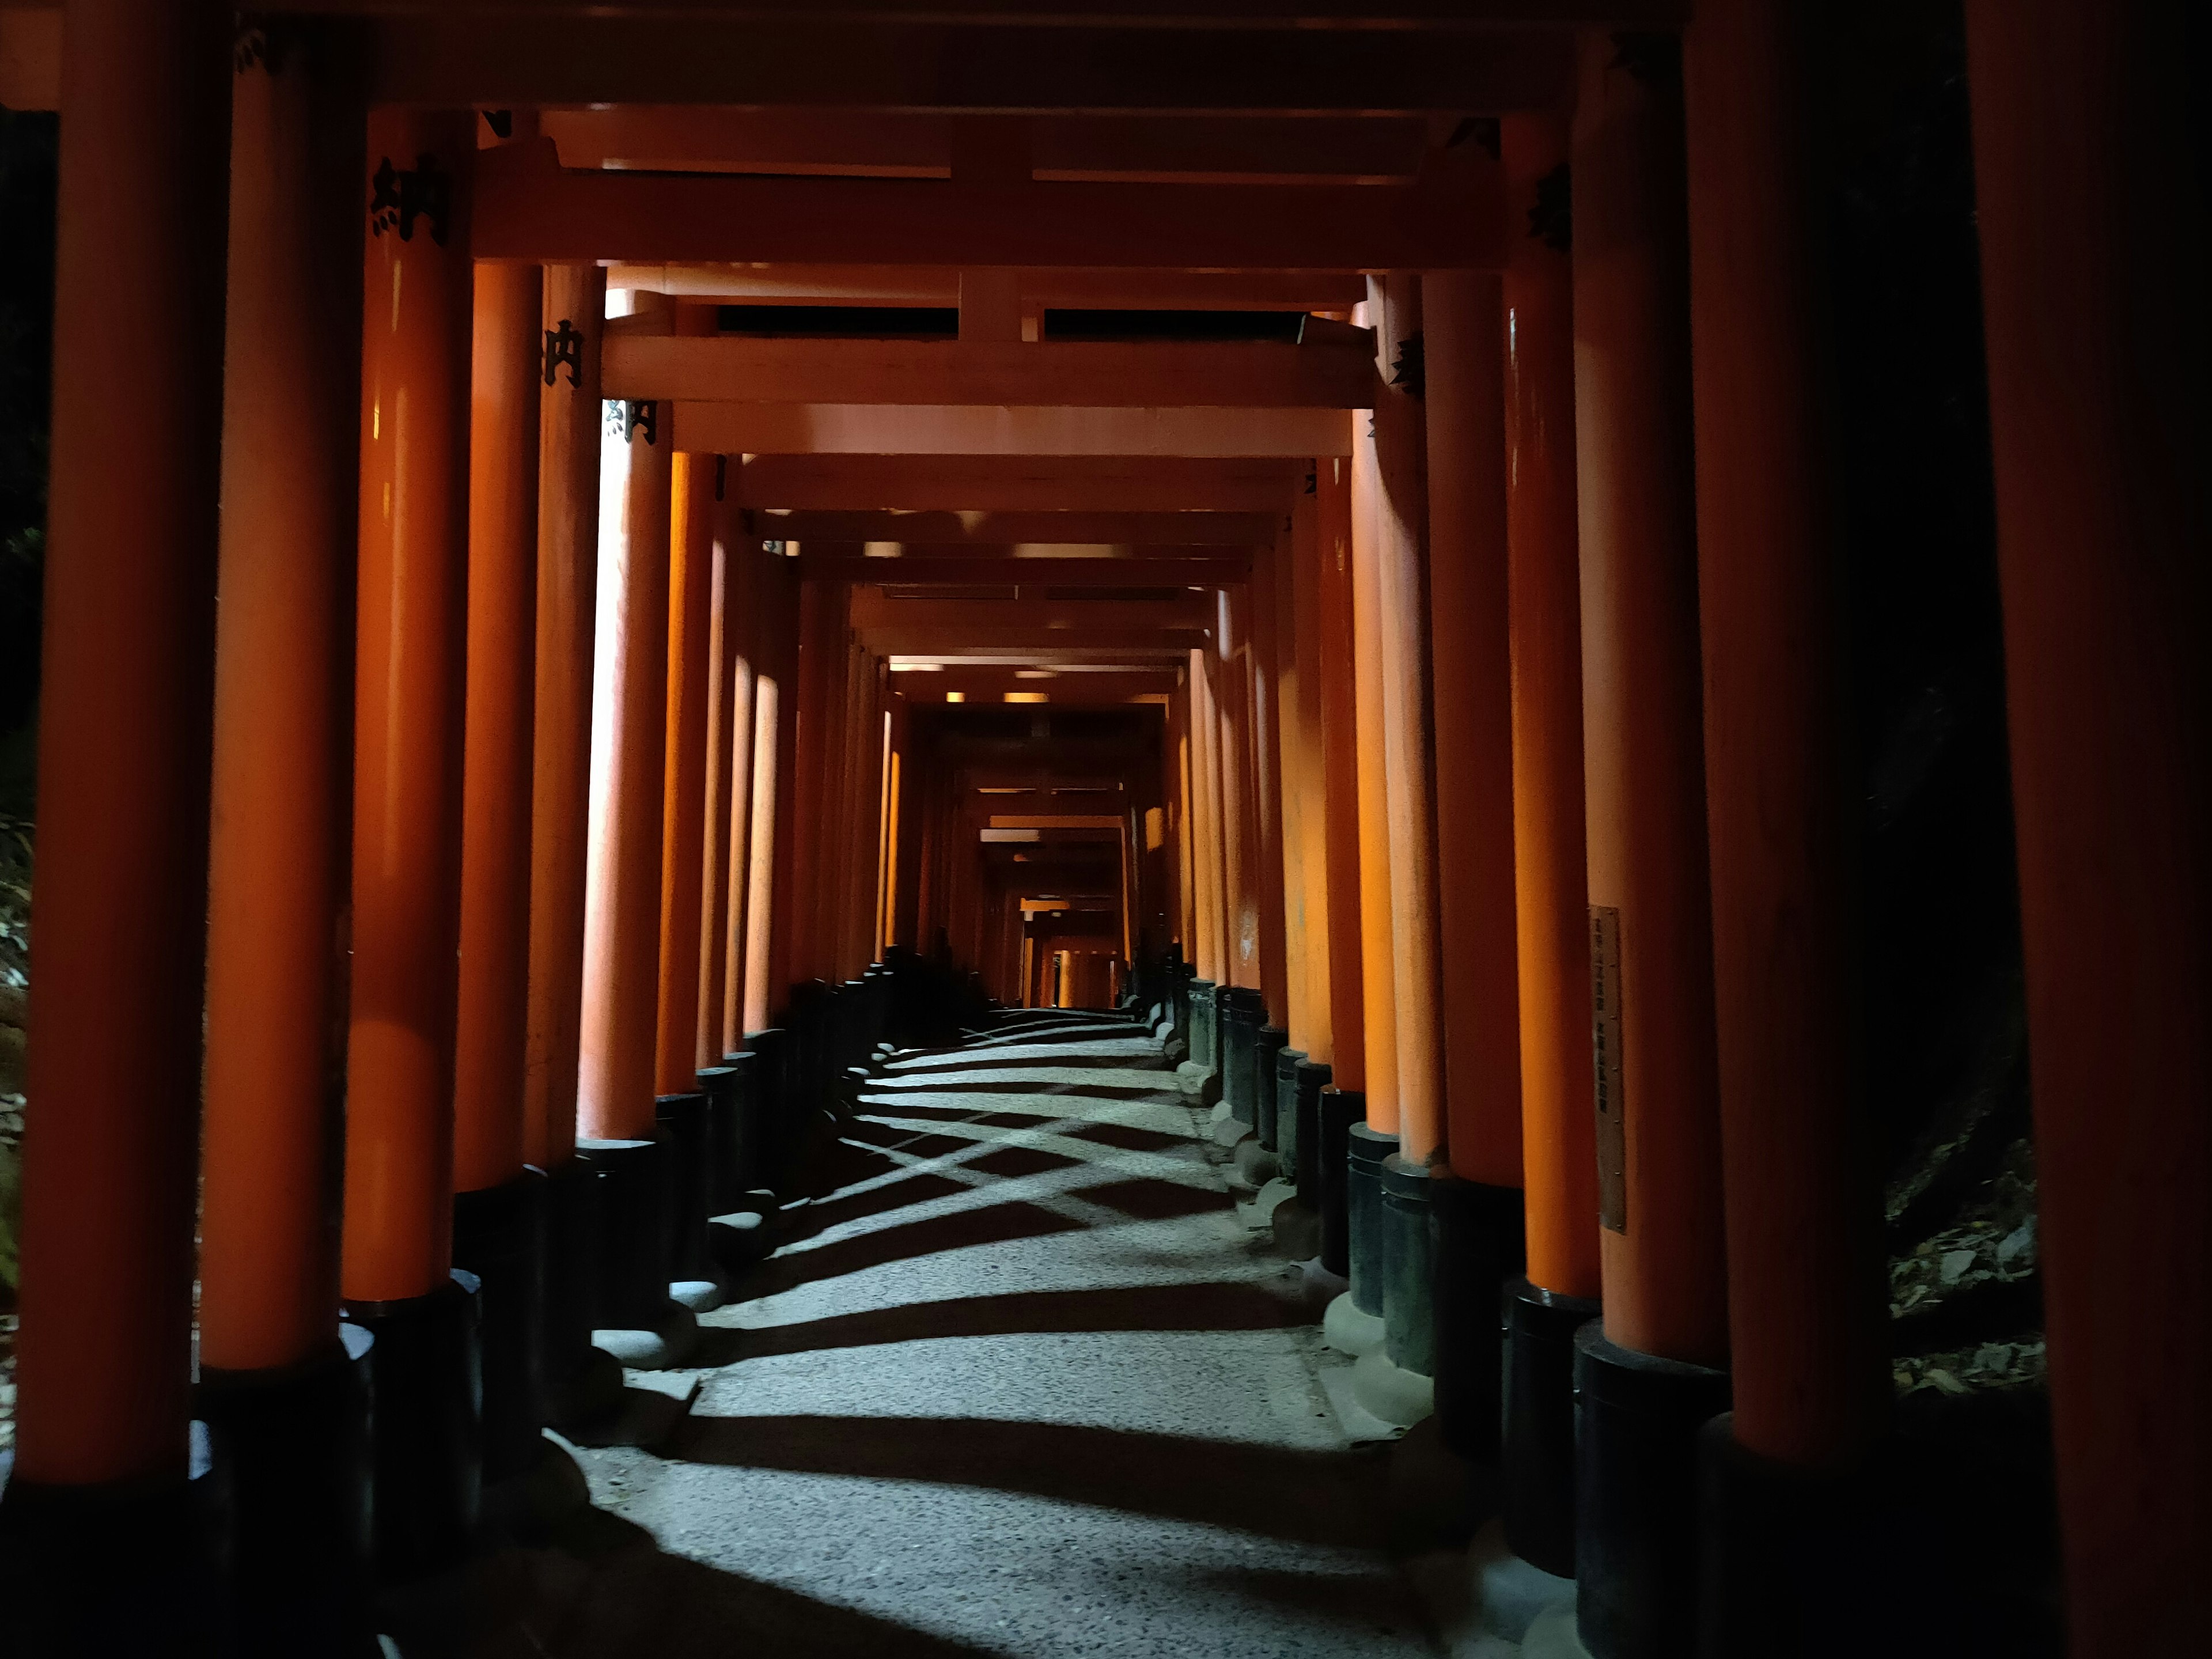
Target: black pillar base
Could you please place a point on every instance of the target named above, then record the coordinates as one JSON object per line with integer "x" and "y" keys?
{"x": 768, "y": 1102}
{"x": 721, "y": 1084}
{"x": 634, "y": 1232}
{"x": 499, "y": 1236}
{"x": 1636, "y": 1524}
{"x": 290, "y": 1452}
{"x": 1267, "y": 1042}
{"x": 1305, "y": 1162}
{"x": 426, "y": 1381}
{"x": 1369, "y": 1229}
{"x": 1818, "y": 1564}
{"x": 1282, "y": 1085}
{"x": 686, "y": 1144}
{"x": 123, "y": 1568}
{"x": 1539, "y": 1427}
{"x": 582, "y": 1384}
{"x": 1240, "y": 1030}
{"x": 1204, "y": 1050}
{"x": 1480, "y": 1244}
{"x": 1409, "y": 1312}
{"x": 1335, "y": 1111}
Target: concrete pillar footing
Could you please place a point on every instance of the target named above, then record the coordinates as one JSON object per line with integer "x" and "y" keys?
{"x": 1508, "y": 1594}
{"x": 1345, "y": 1329}
{"x": 1388, "y": 1390}
{"x": 666, "y": 1342}
{"x": 526, "y": 1507}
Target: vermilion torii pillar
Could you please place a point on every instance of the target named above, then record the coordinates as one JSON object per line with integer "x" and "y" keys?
{"x": 1653, "y": 1379}
{"x": 684, "y": 816}
{"x": 1808, "y": 1285}
{"x": 2092, "y": 201}
{"x": 499, "y": 1205}
{"x": 569, "y": 435}
{"x": 285, "y": 1398}
{"x": 1338, "y": 795}
{"x": 730, "y": 740}
{"x": 408, "y": 698}
{"x": 1551, "y": 915}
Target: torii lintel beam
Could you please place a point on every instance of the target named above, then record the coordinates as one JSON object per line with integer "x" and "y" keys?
{"x": 1021, "y": 483}
{"x": 1044, "y": 288}
{"x": 454, "y": 58}
{"x": 1209, "y": 374}
{"x": 1038, "y": 575}
{"x": 947, "y": 534}
{"x": 529, "y": 208}
{"x": 950, "y": 429}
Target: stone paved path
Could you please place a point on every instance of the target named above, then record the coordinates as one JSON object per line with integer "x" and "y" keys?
{"x": 1018, "y": 1383}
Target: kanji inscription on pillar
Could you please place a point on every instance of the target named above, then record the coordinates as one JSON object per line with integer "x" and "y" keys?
{"x": 1608, "y": 1051}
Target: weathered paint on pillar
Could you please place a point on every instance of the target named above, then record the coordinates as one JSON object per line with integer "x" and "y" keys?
{"x": 1643, "y": 760}
{"x": 1378, "y": 978}
{"x": 1265, "y": 727}
{"x": 629, "y": 714}
{"x": 684, "y": 810}
{"x": 1205, "y": 821}
{"x": 2089, "y": 151}
{"x": 408, "y": 694}
{"x": 492, "y": 1018}
{"x": 1808, "y": 1302}
{"x": 1229, "y": 668}
{"x": 276, "y": 859}
{"x": 1558, "y": 1140}
{"x": 570, "y": 419}
{"x": 1340, "y": 769}
{"x": 770, "y": 726}
{"x": 729, "y": 768}
{"x": 1471, "y": 703}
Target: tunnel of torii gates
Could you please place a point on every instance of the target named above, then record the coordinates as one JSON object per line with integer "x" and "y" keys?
{"x": 742, "y": 616}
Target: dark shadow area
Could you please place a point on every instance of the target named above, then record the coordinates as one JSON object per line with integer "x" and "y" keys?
{"x": 1013, "y": 1163}
{"x": 951, "y": 1114}
{"x": 1330, "y": 1498}
{"x": 818, "y": 1215}
{"x": 1127, "y": 1137}
{"x": 989, "y": 1224}
{"x": 1213, "y": 1306}
{"x": 1166, "y": 1093}
{"x": 979, "y": 1060}
{"x": 606, "y": 1591}
{"x": 1379, "y": 1601}
{"x": 1154, "y": 1201}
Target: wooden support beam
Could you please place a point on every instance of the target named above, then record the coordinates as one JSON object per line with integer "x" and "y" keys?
{"x": 1031, "y": 577}
{"x": 873, "y": 608}
{"x": 529, "y": 208}
{"x": 1024, "y": 644}
{"x": 985, "y": 685}
{"x": 680, "y": 138}
{"x": 940, "y": 534}
{"x": 1047, "y": 287}
{"x": 1021, "y": 483}
{"x": 941, "y": 429}
{"x": 1320, "y": 14}
{"x": 1086, "y": 374}
{"x": 453, "y": 57}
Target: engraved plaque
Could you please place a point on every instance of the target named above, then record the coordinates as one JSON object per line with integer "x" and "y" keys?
{"x": 1606, "y": 1041}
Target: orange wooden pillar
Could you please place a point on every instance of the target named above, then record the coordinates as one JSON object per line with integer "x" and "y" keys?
{"x": 729, "y": 783}
{"x": 1552, "y": 916}
{"x": 104, "y": 1360}
{"x": 621, "y": 921}
{"x": 1808, "y": 1273}
{"x": 2092, "y": 205}
{"x": 1377, "y": 978}
{"x": 499, "y": 1213}
{"x": 1479, "y": 1226}
{"x": 1471, "y": 698}
{"x": 1266, "y": 723}
{"x": 570, "y": 425}
{"x": 684, "y": 812}
{"x": 1651, "y": 1383}
{"x": 408, "y": 733}
{"x": 276, "y": 864}
{"x": 1338, "y": 793}
{"x": 763, "y": 810}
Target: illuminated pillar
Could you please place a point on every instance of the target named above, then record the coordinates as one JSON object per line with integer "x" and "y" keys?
{"x": 615, "y": 1094}
{"x": 1479, "y": 1212}
{"x": 1559, "y": 1293}
{"x": 684, "y": 814}
{"x": 499, "y": 1220}
{"x": 285, "y": 1393}
{"x": 1652, "y": 1378}
{"x": 408, "y": 707}
{"x": 2091, "y": 199}
{"x": 578, "y": 1380}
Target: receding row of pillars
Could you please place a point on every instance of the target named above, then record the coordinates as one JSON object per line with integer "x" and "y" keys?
{"x": 1544, "y": 757}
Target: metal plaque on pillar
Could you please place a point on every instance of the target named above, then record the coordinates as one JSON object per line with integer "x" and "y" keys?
{"x": 1608, "y": 1052}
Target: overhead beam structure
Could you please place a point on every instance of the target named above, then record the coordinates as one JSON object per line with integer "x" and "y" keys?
{"x": 1042, "y": 288}
{"x": 947, "y": 429}
{"x": 1144, "y": 572}
{"x": 455, "y": 58}
{"x": 1084, "y": 375}
{"x": 529, "y": 208}
{"x": 937, "y": 534}
{"x": 1020, "y": 483}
